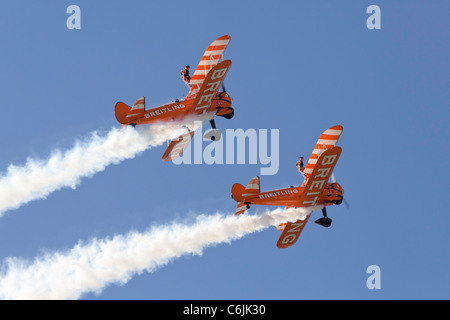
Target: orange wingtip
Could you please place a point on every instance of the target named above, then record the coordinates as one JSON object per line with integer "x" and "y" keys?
{"x": 337, "y": 127}
{"x": 226, "y": 37}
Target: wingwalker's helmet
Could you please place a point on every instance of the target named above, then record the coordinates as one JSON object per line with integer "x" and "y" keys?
{"x": 222, "y": 102}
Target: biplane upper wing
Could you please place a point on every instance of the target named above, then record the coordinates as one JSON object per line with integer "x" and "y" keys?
{"x": 327, "y": 140}
{"x": 210, "y": 87}
{"x": 210, "y": 59}
{"x": 317, "y": 181}
{"x": 177, "y": 146}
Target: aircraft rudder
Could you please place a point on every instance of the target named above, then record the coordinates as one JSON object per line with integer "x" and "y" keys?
{"x": 236, "y": 192}
{"x": 252, "y": 187}
{"x": 121, "y": 111}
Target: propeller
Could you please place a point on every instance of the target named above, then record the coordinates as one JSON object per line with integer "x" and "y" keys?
{"x": 325, "y": 221}
{"x": 223, "y": 87}
{"x": 333, "y": 179}
{"x": 347, "y": 205}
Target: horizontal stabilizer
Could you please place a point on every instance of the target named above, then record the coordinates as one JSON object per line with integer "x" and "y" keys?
{"x": 241, "y": 208}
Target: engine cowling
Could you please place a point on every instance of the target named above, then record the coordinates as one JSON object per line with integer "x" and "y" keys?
{"x": 222, "y": 102}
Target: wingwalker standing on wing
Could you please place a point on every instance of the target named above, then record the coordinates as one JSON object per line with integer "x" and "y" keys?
{"x": 203, "y": 102}
{"x": 314, "y": 191}
{"x": 185, "y": 76}
{"x": 300, "y": 167}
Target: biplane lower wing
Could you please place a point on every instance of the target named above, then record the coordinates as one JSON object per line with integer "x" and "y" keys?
{"x": 177, "y": 146}
{"x": 314, "y": 187}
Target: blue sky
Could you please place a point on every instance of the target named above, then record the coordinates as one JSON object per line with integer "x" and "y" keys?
{"x": 299, "y": 67}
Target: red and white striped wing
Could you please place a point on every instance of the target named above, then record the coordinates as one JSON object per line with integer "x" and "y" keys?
{"x": 211, "y": 57}
{"x": 327, "y": 140}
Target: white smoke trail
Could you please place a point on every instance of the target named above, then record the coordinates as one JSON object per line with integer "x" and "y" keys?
{"x": 91, "y": 266}
{"x": 37, "y": 178}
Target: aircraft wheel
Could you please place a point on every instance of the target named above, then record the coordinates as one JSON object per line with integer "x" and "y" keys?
{"x": 324, "y": 222}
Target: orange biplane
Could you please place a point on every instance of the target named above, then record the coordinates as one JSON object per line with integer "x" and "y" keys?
{"x": 203, "y": 102}
{"x": 315, "y": 190}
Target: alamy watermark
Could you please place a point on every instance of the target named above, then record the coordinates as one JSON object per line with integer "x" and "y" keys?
{"x": 374, "y": 280}
{"x": 235, "y": 147}
{"x": 374, "y": 20}
{"x": 74, "y": 20}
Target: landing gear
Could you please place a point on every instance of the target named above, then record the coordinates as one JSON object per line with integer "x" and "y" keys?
{"x": 214, "y": 134}
{"x": 325, "y": 221}
{"x": 213, "y": 124}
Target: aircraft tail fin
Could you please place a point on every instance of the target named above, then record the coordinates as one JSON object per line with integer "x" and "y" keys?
{"x": 236, "y": 192}
{"x": 252, "y": 188}
{"x": 122, "y": 110}
{"x": 239, "y": 193}
{"x": 125, "y": 114}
